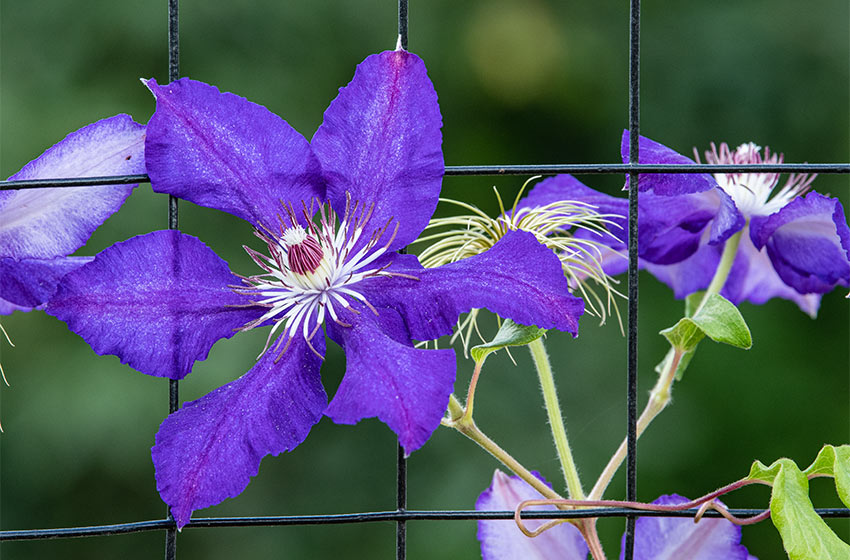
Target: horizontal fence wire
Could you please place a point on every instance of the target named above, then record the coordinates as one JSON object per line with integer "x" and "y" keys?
{"x": 466, "y": 170}
{"x": 372, "y": 517}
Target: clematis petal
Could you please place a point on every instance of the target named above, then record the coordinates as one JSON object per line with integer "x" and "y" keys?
{"x": 385, "y": 376}
{"x": 502, "y": 539}
{"x": 157, "y": 301}
{"x": 671, "y": 227}
{"x": 752, "y": 277}
{"x": 518, "y": 279}
{"x": 7, "y": 307}
{"x": 47, "y": 223}
{"x": 208, "y": 450}
{"x": 566, "y": 187}
{"x": 221, "y": 151}
{"x": 808, "y": 242}
{"x": 672, "y": 538}
{"x": 665, "y": 184}
{"x": 380, "y": 141}
{"x": 30, "y": 282}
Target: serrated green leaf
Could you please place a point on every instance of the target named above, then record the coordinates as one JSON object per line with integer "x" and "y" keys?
{"x": 718, "y": 319}
{"x": 510, "y": 334}
{"x": 805, "y": 535}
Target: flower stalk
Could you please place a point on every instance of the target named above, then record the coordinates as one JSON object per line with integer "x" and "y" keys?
{"x": 556, "y": 422}
{"x": 660, "y": 396}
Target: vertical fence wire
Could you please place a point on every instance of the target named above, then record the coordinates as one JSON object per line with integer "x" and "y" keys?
{"x": 634, "y": 135}
{"x": 173, "y": 397}
{"x": 401, "y": 465}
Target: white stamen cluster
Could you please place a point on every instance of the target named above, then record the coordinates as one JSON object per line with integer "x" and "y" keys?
{"x": 460, "y": 237}
{"x": 313, "y": 271}
{"x": 751, "y": 191}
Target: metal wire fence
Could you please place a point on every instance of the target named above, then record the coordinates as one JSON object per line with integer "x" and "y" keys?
{"x": 401, "y": 515}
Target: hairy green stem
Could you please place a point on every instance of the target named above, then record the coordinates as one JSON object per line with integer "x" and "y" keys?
{"x": 556, "y": 422}
{"x": 660, "y": 395}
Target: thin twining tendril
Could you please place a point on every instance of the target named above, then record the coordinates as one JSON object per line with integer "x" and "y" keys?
{"x": 704, "y": 503}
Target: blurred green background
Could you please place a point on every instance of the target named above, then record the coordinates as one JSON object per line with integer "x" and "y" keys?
{"x": 519, "y": 82}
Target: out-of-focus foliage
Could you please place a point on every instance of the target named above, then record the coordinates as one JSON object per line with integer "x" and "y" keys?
{"x": 519, "y": 82}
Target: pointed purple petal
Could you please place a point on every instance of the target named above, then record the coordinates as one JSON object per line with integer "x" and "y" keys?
{"x": 385, "y": 377}
{"x": 665, "y": 184}
{"x": 380, "y": 141}
{"x": 221, "y": 151}
{"x": 808, "y": 242}
{"x": 672, "y": 538}
{"x": 568, "y": 188}
{"x": 518, "y": 279}
{"x": 31, "y": 282}
{"x": 47, "y": 223}
{"x": 158, "y": 301}
{"x": 208, "y": 450}
{"x": 752, "y": 277}
{"x": 502, "y": 539}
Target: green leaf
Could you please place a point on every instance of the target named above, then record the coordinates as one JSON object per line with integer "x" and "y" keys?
{"x": 718, "y": 319}
{"x": 764, "y": 473}
{"x": 510, "y": 334}
{"x": 834, "y": 461}
{"x": 692, "y": 302}
{"x": 805, "y": 535}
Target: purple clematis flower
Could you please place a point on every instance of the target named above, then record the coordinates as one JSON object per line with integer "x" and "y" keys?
{"x": 793, "y": 246}
{"x": 332, "y": 215}
{"x": 656, "y": 538}
{"x": 40, "y": 227}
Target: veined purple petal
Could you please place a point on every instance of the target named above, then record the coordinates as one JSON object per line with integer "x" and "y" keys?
{"x": 385, "y": 376}
{"x": 208, "y": 450}
{"x": 502, "y": 539}
{"x": 29, "y": 283}
{"x": 221, "y": 151}
{"x": 665, "y": 184}
{"x": 671, "y": 228}
{"x": 752, "y": 277}
{"x": 568, "y": 188}
{"x": 518, "y": 279}
{"x": 47, "y": 223}
{"x": 674, "y": 538}
{"x": 808, "y": 242}
{"x": 380, "y": 141}
{"x": 157, "y": 301}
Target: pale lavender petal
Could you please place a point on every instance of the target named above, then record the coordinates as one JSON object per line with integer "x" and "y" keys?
{"x": 29, "y": 283}
{"x": 665, "y": 184}
{"x": 518, "y": 279}
{"x": 380, "y": 141}
{"x": 47, "y": 223}
{"x": 674, "y": 538}
{"x": 689, "y": 275}
{"x": 753, "y": 278}
{"x": 157, "y": 301}
{"x": 808, "y": 242}
{"x": 221, "y": 151}
{"x": 386, "y": 377}
{"x": 208, "y": 450}
{"x": 502, "y": 539}
{"x": 7, "y": 307}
